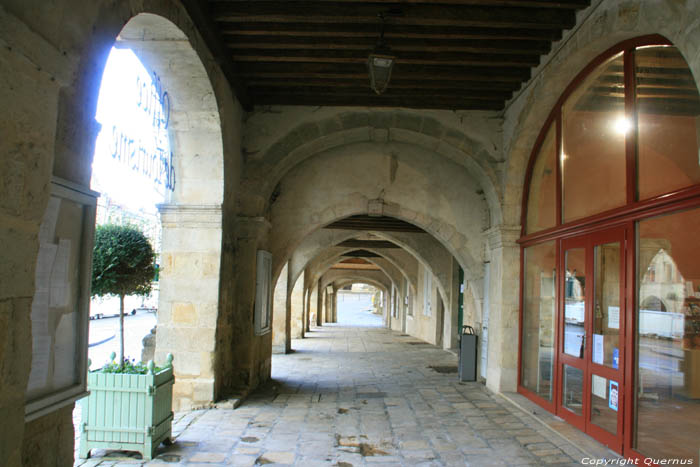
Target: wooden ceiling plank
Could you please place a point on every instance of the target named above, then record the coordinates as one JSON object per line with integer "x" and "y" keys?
{"x": 433, "y": 15}
{"x": 336, "y": 30}
{"x": 410, "y": 102}
{"x": 391, "y": 92}
{"x": 507, "y": 74}
{"x": 254, "y": 82}
{"x": 414, "y": 59}
{"x": 359, "y": 243}
{"x": 568, "y": 4}
{"x": 242, "y": 43}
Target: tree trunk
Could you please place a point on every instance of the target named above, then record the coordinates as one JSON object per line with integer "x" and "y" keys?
{"x": 121, "y": 332}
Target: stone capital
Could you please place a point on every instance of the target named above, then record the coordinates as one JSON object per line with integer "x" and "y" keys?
{"x": 189, "y": 216}
{"x": 252, "y": 227}
{"x": 503, "y": 236}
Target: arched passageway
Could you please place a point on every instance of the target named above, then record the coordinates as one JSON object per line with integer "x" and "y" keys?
{"x": 291, "y": 172}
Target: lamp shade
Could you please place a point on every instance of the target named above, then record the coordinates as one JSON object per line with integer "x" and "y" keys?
{"x": 379, "y": 67}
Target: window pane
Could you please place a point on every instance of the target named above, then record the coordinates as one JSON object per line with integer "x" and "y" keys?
{"x": 538, "y": 319}
{"x": 572, "y": 389}
{"x": 542, "y": 197}
{"x": 575, "y": 302}
{"x": 602, "y": 414}
{"x": 593, "y": 159}
{"x": 668, "y": 114}
{"x": 668, "y": 337}
{"x": 606, "y": 319}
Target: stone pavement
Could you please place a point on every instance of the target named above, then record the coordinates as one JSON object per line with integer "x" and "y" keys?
{"x": 352, "y": 396}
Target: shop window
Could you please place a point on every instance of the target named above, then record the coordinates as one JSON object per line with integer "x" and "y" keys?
{"x": 668, "y": 337}
{"x": 538, "y": 319}
{"x": 668, "y": 113}
{"x": 541, "y": 201}
{"x": 593, "y": 133}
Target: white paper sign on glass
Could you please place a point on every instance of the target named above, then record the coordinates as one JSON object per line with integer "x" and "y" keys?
{"x": 614, "y": 317}
{"x": 598, "y": 349}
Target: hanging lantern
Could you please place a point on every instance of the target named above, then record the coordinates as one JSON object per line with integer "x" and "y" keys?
{"x": 380, "y": 63}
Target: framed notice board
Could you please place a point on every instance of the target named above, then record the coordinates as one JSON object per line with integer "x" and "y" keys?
{"x": 263, "y": 293}
{"x": 60, "y": 308}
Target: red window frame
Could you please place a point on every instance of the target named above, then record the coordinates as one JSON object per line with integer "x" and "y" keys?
{"x": 624, "y": 216}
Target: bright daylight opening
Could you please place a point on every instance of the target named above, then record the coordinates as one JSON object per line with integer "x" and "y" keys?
{"x": 132, "y": 170}
{"x": 360, "y": 305}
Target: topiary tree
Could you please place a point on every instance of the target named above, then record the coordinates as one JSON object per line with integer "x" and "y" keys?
{"x": 122, "y": 264}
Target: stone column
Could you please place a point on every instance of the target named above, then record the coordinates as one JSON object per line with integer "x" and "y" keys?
{"x": 311, "y": 305}
{"x": 295, "y": 306}
{"x": 319, "y": 304}
{"x": 280, "y": 322}
{"x": 188, "y": 301}
{"x": 503, "y": 340}
{"x": 451, "y": 331}
{"x": 251, "y": 353}
{"x": 328, "y": 317}
{"x": 334, "y": 305}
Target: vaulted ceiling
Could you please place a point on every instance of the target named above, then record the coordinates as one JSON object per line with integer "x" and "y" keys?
{"x": 450, "y": 54}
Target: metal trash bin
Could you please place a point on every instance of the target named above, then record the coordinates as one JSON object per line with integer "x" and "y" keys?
{"x": 467, "y": 354}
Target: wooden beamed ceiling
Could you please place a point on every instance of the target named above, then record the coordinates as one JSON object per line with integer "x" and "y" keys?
{"x": 381, "y": 223}
{"x": 453, "y": 54}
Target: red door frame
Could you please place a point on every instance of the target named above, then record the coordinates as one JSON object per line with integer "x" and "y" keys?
{"x": 588, "y": 242}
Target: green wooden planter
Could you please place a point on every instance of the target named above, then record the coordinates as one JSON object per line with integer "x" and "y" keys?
{"x": 128, "y": 412}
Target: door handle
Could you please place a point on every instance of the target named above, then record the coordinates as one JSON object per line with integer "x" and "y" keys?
{"x": 583, "y": 346}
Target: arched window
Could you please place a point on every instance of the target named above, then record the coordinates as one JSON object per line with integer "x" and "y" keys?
{"x": 625, "y": 132}
{"x": 614, "y": 183}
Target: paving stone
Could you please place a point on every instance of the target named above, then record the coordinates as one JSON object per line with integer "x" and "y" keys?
{"x": 358, "y": 397}
{"x": 208, "y": 457}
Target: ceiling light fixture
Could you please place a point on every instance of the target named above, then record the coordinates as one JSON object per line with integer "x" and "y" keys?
{"x": 380, "y": 63}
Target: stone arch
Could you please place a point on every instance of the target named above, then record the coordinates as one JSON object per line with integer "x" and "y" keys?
{"x": 393, "y": 273}
{"x": 343, "y": 282}
{"x": 371, "y": 277}
{"x": 356, "y": 176}
{"x": 442, "y": 135}
{"x": 331, "y": 257}
{"x": 204, "y": 110}
{"x": 423, "y": 247}
{"x": 609, "y": 24}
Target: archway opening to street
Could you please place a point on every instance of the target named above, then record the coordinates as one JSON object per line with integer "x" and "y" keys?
{"x": 360, "y": 304}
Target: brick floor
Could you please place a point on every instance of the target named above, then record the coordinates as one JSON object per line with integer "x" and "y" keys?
{"x": 353, "y": 396}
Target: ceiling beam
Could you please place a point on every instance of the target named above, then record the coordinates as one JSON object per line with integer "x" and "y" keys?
{"x": 567, "y": 4}
{"x": 359, "y": 70}
{"x": 431, "y": 15}
{"x": 361, "y": 81}
{"x": 384, "y": 223}
{"x": 406, "y": 58}
{"x": 336, "y": 30}
{"x": 358, "y": 243}
{"x": 361, "y": 254}
{"x": 238, "y": 42}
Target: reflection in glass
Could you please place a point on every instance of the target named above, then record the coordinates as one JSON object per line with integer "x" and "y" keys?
{"x": 572, "y": 389}
{"x": 575, "y": 302}
{"x": 538, "y": 319}
{"x": 668, "y": 107}
{"x": 668, "y": 337}
{"x": 593, "y": 159}
{"x": 542, "y": 197}
{"x": 606, "y": 314}
{"x": 601, "y": 413}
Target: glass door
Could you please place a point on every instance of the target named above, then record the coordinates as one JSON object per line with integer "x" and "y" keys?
{"x": 591, "y": 344}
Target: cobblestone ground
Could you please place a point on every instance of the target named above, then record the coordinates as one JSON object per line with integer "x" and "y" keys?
{"x": 353, "y": 396}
